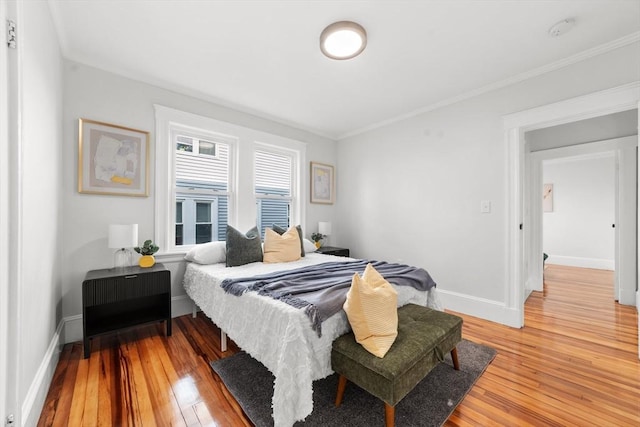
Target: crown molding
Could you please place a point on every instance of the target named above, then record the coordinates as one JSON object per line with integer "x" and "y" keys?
{"x": 63, "y": 42}
{"x": 192, "y": 93}
{"x": 589, "y": 53}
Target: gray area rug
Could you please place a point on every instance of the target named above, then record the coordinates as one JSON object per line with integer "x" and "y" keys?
{"x": 429, "y": 404}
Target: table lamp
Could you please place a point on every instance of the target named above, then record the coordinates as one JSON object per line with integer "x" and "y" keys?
{"x": 325, "y": 228}
{"x": 122, "y": 237}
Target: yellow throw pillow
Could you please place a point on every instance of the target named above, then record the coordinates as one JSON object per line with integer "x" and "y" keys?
{"x": 371, "y": 308}
{"x": 283, "y": 248}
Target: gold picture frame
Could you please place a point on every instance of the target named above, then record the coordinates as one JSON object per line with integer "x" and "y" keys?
{"x": 322, "y": 183}
{"x": 112, "y": 160}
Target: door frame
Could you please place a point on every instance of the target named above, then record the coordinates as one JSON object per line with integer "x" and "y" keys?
{"x": 625, "y": 230}
{"x": 4, "y": 219}
{"x": 10, "y": 214}
{"x": 597, "y": 104}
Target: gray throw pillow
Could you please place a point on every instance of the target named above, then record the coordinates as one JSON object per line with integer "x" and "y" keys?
{"x": 243, "y": 248}
{"x": 281, "y": 231}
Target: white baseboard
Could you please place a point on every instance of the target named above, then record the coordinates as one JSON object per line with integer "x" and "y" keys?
{"x": 180, "y": 306}
{"x": 534, "y": 284}
{"x": 597, "y": 263}
{"x": 480, "y": 307}
{"x": 528, "y": 292}
{"x": 37, "y": 393}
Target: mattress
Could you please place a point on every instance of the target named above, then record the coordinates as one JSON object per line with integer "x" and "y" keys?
{"x": 277, "y": 334}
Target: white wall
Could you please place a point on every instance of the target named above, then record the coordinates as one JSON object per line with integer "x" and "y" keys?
{"x": 39, "y": 202}
{"x": 578, "y": 232}
{"x": 411, "y": 190}
{"x": 98, "y": 95}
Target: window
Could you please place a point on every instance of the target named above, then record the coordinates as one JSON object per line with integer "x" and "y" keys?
{"x": 206, "y": 148}
{"x": 211, "y": 173}
{"x": 184, "y": 144}
{"x": 273, "y": 188}
{"x": 187, "y": 144}
{"x": 179, "y": 225}
{"x": 204, "y": 226}
{"x": 201, "y": 186}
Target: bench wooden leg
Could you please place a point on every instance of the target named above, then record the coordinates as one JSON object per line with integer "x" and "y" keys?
{"x": 342, "y": 383}
{"x": 454, "y": 357}
{"x": 389, "y": 415}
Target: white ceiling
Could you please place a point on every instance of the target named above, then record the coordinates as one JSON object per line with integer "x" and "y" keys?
{"x": 263, "y": 57}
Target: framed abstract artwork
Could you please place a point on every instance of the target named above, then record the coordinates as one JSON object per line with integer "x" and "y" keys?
{"x": 112, "y": 159}
{"x": 322, "y": 183}
{"x": 547, "y": 198}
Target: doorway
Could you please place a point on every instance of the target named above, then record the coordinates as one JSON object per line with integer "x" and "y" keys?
{"x": 606, "y": 172}
{"x": 519, "y": 234}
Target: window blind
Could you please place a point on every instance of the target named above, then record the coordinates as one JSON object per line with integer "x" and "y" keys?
{"x": 273, "y": 177}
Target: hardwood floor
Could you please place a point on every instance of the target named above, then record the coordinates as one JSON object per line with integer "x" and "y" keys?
{"x": 574, "y": 363}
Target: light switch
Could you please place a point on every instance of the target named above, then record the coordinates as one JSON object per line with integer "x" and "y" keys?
{"x": 485, "y": 206}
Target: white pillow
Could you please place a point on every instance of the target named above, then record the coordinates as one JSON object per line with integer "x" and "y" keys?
{"x": 309, "y": 246}
{"x": 208, "y": 253}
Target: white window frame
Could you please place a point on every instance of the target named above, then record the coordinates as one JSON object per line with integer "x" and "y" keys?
{"x": 241, "y": 195}
{"x": 168, "y": 122}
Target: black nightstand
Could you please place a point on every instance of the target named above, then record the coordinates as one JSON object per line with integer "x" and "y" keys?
{"x": 332, "y": 250}
{"x": 113, "y": 299}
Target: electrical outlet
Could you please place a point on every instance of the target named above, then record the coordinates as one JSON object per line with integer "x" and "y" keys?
{"x": 485, "y": 206}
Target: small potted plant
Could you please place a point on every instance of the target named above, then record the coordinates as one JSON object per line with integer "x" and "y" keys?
{"x": 147, "y": 250}
{"x": 317, "y": 239}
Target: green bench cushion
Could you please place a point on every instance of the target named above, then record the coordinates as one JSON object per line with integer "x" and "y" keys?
{"x": 424, "y": 336}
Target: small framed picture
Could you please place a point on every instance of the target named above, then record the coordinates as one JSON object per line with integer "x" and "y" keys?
{"x": 322, "y": 183}
{"x": 547, "y": 198}
{"x": 112, "y": 159}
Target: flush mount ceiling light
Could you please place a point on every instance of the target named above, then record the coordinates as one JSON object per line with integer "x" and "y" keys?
{"x": 343, "y": 40}
{"x": 562, "y": 27}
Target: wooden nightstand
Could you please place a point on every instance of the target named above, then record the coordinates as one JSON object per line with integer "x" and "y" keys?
{"x": 332, "y": 250}
{"x": 113, "y": 299}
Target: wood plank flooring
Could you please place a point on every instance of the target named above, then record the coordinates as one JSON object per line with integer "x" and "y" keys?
{"x": 575, "y": 363}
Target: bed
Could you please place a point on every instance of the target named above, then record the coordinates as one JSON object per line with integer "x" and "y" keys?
{"x": 277, "y": 334}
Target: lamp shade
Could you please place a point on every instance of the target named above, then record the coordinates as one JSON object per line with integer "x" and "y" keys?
{"x": 324, "y": 228}
{"x": 123, "y": 236}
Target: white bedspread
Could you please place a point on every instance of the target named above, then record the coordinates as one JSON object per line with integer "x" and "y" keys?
{"x": 276, "y": 334}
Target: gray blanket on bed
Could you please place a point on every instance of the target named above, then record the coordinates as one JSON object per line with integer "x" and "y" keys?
{"x": 321, "y": 289}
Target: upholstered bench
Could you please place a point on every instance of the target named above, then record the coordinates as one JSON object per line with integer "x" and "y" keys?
{"x": 424, "y": 337}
